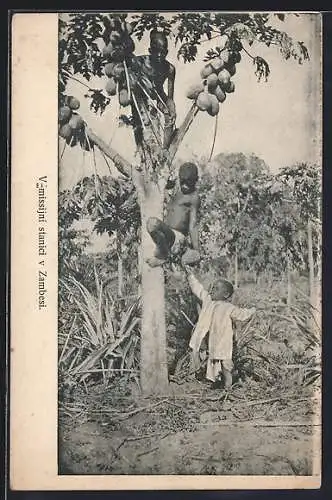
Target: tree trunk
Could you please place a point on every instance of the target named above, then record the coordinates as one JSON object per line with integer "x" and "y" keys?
{"x": 154, "y": 376}
{"x": 289, "y": 282}
{"x": 236, "y": 269}
{"x": 311, "y": 265}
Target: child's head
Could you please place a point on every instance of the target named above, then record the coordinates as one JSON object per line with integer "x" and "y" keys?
{"x": 158, "y": 46}
{"x": 188, "y": 177}
{"x": 221, "y": 290}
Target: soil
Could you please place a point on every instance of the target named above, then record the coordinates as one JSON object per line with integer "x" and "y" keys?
{"x": 194, "y": 431}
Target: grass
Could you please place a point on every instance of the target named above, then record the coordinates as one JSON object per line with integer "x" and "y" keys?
{"x": 97, "y": 345}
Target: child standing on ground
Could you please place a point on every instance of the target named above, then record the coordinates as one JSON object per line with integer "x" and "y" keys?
{"x": 216, "y": 318}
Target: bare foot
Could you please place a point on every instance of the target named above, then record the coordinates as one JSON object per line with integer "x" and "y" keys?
{"x": 155, "y": 262}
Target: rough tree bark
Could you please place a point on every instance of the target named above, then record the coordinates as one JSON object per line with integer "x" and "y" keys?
{"x": 154, "y": 374}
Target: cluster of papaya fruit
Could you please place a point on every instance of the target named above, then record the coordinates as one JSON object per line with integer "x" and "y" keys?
{"x": 118, "y": 50}
{"x": 71, "y": 124}
{"x": 216, "y": 82}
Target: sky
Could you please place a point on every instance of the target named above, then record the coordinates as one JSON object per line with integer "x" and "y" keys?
{"x": 278, "y": 120}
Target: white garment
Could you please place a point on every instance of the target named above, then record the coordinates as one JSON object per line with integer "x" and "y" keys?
{"x": 179, "y": 242}
{"x": 216, "y": 318}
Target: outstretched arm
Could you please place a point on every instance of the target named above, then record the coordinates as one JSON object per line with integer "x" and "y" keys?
{"x": 242, "y": 314}
{"x": 196, "y": 287}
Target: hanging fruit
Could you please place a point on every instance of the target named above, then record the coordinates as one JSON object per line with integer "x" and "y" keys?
{"x": 108, "y": 70}
{"x": 213, "y": 110}
{"x": 230, "y": 87}
{"x": 195, "y": 90}
{"x": 212, "y": 82}
{"x": 128, "y": 28}
{"x": 73, "y": 103}
{"x": 203, "y": 101}
{"x": 118, "y": 71}
{"x": 235, "y": 58}
{"x": 231, "y": 69}
{"x": 115, "y": 38}
{"x": 110, "y": 86}
{"x": 217, "y": 64}
{"x": 108, "y": 50}
{"x": 220, "y": 94}
{"x": 224, "y": 78}
{"x": 76, "y": 122}
{"x": 124, "y": 98}
{"x": 206, "y": 71}
{"x": 64, "y": 114}
{"x": 224, "y": 56}
{"x": 66, "y": 132}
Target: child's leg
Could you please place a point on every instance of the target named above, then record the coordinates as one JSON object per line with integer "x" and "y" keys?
{"x": 163, "y": 237}
{"x": 227, "y": 367}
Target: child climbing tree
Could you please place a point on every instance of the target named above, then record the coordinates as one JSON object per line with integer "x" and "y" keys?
{"x": 103, "y": 45}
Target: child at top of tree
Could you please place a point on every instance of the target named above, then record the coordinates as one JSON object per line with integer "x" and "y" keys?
{"x": 215, "y": 319}
{"x": 171, "y": 236}
{"x": 156, "y": 67}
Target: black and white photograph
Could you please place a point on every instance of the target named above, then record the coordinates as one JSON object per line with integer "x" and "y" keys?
{"x": 189, "y": 237}
{"x": 167, "y": 193}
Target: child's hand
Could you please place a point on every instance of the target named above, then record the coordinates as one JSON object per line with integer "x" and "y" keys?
{"x": 253, "y": 311}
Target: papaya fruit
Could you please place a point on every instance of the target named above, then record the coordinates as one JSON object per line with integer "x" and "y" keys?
{"x": 223, "y": 41}
{"x": 214, "y": 108}
{"x": 110, "y": 86}
{"x": 194, "y": 90}
{"x": 235, "y": 58}
{"x": 107, "y": 50}
{"x": 73, "y": 103}
{"x": 124, "y": 98}
{"x": 116, "y": 38}
{"x": 108, "y": 70}
{"x": 206, "y": 71}
{"x": 128, "y": 45}
{"x": 212, "y": 81}
{"x": 118, "y": 71}
{"x": 128, "y": 28}
{"x": 224, "y": 56}
{"x": 64, "y": 114}
{"x": 217, "y": 64}
{"x": 66, "y": 131}
{"x": 115, "y": 23}
{"x": 117, "y": 55}
{"x": 76, "y": 122}
{"x": 230, "y": 87}
{"x": 203, "y": 101}
{"x": 231, "y": 68}
{"x": 224, "y": 77}
{"x": 219, "y": 93}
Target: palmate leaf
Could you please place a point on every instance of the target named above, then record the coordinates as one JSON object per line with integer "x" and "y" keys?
{"x": 262, "y": 68}
{"x": 241, "y": 32}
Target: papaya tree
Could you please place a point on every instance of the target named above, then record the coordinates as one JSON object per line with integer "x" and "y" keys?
{"x": 103, "y": 45}
{"x": 305, "y": 184}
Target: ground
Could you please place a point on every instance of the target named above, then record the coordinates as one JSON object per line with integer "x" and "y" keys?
{"x": 267, "y": 424}
{"x": 220, "y": 434}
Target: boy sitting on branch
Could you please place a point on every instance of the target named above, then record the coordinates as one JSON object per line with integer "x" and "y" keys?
{"x": 171, "y": 236}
